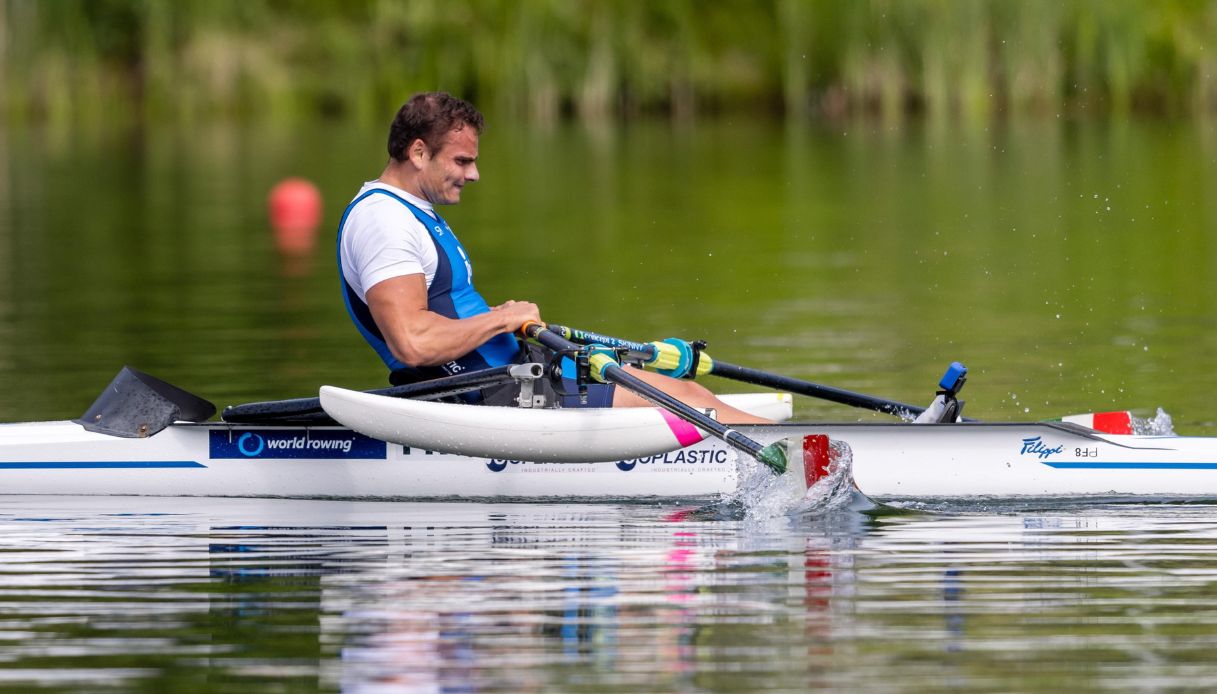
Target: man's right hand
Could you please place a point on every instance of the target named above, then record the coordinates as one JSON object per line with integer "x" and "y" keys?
{"x": 516, "y": 313}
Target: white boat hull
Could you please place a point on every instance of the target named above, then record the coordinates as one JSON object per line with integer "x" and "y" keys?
{"x": 541, "y": 435}
{"x": 889, "y": 461}
{"x": 324, "y": 462}
{"x": 1025, "y": 460}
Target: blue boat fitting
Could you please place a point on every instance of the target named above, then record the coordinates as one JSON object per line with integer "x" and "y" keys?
{"x": 953, "y": 380}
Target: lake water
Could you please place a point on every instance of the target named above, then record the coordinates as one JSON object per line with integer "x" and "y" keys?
{"x": 272, "y": 595}
{"x": 1071, "y": 266}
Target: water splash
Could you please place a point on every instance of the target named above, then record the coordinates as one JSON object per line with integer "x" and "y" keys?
{"x": 761, "y": 494}
{"x": 1159, "y": 425}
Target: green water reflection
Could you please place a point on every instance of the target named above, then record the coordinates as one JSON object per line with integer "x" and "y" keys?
{"x": 146, "y": 594}
{"x": 1070, "y": 265}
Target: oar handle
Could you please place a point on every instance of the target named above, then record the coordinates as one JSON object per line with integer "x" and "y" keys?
{"x": 617, "y": 374}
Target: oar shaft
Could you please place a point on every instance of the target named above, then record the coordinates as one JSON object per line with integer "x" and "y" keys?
{"x": 638, "y": 349}
{"x": 815, "y": 390}
{"x": 754, "y": 376}
{"x": 309, "y": 411}
{"x": 625, "y": 379}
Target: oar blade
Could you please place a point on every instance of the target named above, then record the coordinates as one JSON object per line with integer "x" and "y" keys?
{"x": 1118, "y": 422}
{"x": 818, "y": 479}
{"x": 775, "y": 456}
{"x": 808, "y": 457}
{"x": 814, "y": 458}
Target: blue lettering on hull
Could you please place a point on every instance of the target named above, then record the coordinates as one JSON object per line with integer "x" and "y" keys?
{"x": 272, "y": 443}
{"x": 684, "y": 456}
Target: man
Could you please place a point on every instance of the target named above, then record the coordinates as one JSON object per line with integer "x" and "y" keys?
{"x": 408, "y": 282}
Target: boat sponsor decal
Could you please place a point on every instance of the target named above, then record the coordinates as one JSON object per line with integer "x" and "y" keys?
{"x": 309, "y": 443}
{"x": 100, "y": 464}
{"x": 1035, "y": 445}
{"x": 686, "y": 434}
{"x": 682, "y": 457}
{"x": 1085, "y": 458}
{"x": 663, "y": 462}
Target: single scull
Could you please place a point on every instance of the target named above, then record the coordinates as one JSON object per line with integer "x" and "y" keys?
{"x": 118, "y": 448}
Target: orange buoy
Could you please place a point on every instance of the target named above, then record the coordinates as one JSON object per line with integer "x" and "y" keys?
{"x": 295, "y": 213}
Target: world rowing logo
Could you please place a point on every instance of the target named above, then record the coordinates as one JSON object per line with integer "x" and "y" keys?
{"x": 251, "y": 445}
{"x": 294, "y": 443}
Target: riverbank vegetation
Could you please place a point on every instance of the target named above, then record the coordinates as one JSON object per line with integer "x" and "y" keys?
{"x": 68, "y": 61}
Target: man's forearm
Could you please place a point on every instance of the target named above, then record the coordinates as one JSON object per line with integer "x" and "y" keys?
{"x": 429, "y": 339}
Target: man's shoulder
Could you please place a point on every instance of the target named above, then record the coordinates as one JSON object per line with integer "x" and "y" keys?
{"x": 379, "y": 221}
{"x": 380, "y": 206}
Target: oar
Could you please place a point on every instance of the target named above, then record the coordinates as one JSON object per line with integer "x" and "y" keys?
{"x": 309, "y": 410}
{"x": 773, "y": 456}
{"x": 714, "y": 367}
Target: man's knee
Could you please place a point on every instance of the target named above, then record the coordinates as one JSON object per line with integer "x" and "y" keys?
{"x": 691, "y": 390}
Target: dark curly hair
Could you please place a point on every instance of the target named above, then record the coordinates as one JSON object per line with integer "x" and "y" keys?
{"x": 430, "y": 116}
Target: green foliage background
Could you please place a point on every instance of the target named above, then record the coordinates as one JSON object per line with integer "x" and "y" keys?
{"x": 71, "y": 60}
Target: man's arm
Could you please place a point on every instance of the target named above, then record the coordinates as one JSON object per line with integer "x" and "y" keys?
{"x": 420, "y": 337}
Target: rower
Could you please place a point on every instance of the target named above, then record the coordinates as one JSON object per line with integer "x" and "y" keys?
{"x": 408, "y": 282}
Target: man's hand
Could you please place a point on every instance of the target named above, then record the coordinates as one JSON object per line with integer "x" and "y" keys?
{"x": 516, "y": 313}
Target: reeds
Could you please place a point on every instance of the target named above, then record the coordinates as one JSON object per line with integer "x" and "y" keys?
{"x": 73, "y": 60}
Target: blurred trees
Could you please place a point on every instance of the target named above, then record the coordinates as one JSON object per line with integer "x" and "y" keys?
{"x": 69, "y": 60}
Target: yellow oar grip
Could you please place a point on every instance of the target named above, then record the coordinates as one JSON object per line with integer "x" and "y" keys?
{"x": 666, "y": 357}
{"x": 599, "y": 361}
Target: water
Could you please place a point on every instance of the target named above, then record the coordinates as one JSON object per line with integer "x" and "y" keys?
{"x": 266, "y": 595}
{"x": 866, "y": 258}
{"x": 1071, "y": 266}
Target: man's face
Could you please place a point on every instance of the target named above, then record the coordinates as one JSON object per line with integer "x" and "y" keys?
{"x": 445, "y": 172}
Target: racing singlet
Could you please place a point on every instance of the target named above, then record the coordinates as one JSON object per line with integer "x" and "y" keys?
{"x": 451, "y": 294}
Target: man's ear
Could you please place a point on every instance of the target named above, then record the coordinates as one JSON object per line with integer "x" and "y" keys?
{"x": 418, "y": 152}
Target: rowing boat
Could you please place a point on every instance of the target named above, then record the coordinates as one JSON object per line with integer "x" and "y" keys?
{"x": 146, "y": 437}
{"x": 887, "y": 461}
{"x": 113, "y": 450}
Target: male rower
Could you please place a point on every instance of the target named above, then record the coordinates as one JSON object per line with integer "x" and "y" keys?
{"x": 408, "y": 281}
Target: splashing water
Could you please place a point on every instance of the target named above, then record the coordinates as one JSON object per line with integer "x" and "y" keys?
{"x": 837, "y": 487}
{"x": 762, "y": 494}
{"x": 1160, "y": 425}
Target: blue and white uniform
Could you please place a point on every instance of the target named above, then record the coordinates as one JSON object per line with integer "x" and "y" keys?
{"x": 386, "y": 232}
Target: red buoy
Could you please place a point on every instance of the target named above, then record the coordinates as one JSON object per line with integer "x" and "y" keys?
{"x": 295, "y": 213}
